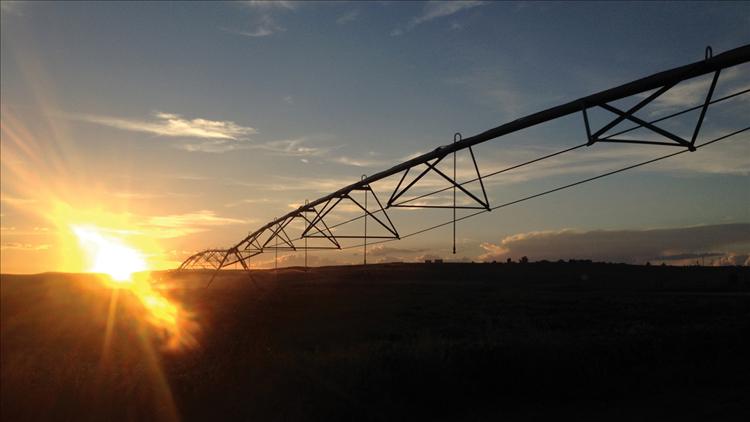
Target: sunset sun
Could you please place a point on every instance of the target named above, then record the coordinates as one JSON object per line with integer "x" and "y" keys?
{"x": 109, "y": 255}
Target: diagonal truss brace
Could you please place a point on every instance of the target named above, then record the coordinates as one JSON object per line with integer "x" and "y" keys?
{"x": 630, "y": 115}
{"x": 387, "y": 224}
{"x": 432, "y": 166}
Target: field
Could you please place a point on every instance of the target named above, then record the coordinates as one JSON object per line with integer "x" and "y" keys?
{"x": 387, "y": 342}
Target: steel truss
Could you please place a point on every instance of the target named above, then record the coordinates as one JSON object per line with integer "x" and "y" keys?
{"x": 274, "y": 236}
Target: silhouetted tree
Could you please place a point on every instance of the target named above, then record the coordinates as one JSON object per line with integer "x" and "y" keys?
{"x": 524, "y": 260}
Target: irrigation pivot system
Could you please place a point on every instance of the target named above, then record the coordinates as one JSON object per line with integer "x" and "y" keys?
{"x": 312, "y": 216}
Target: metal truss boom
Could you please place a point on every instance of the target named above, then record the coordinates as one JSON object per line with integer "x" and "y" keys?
{"x": 315, "y": 226}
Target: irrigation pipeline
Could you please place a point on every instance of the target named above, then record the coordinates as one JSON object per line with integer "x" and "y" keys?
{"x": 648, "y": 89}
{"x": 551, "y": 155}
{"x": 557, "y": 189}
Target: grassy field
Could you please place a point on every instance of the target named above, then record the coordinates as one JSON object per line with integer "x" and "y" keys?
{"x": 387, "y": 342}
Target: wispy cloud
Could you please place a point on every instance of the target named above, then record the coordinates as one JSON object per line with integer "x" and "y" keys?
{"x": 265, "y": 23}
{"x": 693, "y": 92}
{"x": 288, "y": 184}
{"x": 361, "y": 162}
{"x": 271, "y": 4}
{"x": 730, "y": 157}
{"x": 348, "y": 17}
{"x": 434, "y": 10}
{"x": 249, "y": 201}
{"x": 198, "y": 218}
{"x": 8, "y": 7}
{"x": 178, "y": 225}
{"x": 24, "y": 246}
{"x": 438, "y": 9}
{"x": 630, "y": 246}
{"x": 15, "y": 232}
{"x": 150, "y": 195}
{"x": 297, "y": 147}
{"x": 260, "y": 31}
{"x": 498, "y": 87}
{"x": 16, "y": 201}
{"x": 174, "y": 125}
{"x": 215, "y": 146}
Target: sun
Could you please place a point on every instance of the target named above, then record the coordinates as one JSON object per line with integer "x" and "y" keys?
{"x": 109, "y": 255}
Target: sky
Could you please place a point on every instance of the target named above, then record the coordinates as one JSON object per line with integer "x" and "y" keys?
{"x": 181, "y": 126}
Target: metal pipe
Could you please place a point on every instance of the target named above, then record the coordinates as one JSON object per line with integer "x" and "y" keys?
{"x": 712, "y": 64}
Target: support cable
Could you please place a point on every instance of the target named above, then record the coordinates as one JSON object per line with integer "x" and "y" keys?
{"x": 570, "y": 185}
{"x": 221, "y": 260}
{"x": 554, "y": 154}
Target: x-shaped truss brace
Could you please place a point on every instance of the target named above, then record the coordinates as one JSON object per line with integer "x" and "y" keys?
{"x": 209, "y": 258}
{"x": 329, "y": 205}
{"x": 629, "y": 115}
{"x": 432, "y": 166}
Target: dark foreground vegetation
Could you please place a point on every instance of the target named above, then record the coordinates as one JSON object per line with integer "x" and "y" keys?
{"x": 389, "y": 342}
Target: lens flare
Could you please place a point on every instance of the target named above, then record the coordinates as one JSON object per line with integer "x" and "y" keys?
{"x": 110, "y": 255}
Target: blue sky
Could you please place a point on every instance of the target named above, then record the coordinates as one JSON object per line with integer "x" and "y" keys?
{"x": 193, "y": 123}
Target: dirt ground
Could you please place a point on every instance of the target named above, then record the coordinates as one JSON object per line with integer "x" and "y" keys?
{"x": 385, "y": 342}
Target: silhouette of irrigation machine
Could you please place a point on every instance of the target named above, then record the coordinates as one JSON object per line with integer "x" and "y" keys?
{"x": 309, "y": 221}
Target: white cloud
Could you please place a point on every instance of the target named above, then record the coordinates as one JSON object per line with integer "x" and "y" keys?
{"x": 348, "y": 17}
{"x": 174, "y": 125}
{"x": 271, "y": 4}
{"x": 357, "y": 162}
{"x": 434, "y": 10}
{"x": 630, "y": 246}
{"x": 215, "y": 146}
{"x": 265, "y": 24}
{"x": 297, "y": 147}
{"x": 178, "y": 225}
{"x": 438, "y": 9}
{"x": 260, "y": 31}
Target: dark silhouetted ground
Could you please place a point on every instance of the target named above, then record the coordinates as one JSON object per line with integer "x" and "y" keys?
{"x": 389, "y": 342}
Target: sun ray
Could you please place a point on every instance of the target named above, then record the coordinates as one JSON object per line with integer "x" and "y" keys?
{"x": 126, "y": 268}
